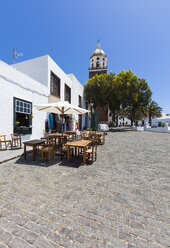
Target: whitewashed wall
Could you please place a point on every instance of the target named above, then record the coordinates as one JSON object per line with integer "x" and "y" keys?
{"x": 158, "y": 129}
{"x": 35, "y": 68}
{"x": 16, "y": 84}
{"x": 40, "y": 69}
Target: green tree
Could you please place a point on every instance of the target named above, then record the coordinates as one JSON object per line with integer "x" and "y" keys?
{"x": 135, "y": 96}
{"x": 97, "y": 90}
{"x": 124, "y": 93}
{"x": 154, "y": 110}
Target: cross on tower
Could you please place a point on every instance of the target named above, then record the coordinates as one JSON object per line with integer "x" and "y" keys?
{"x": 98, "y": 45}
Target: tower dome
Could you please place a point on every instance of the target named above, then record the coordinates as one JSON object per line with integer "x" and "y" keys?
{"x": 98, "y": 62}
{"x": 98, "y": 52}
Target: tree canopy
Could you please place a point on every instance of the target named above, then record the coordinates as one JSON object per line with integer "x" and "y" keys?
{"x": 124, "y": 94}
{"x": 154, "y": 110}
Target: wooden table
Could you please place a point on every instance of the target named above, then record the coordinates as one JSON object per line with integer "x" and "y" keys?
{"x": 59, "y": 136}
{"x": 88, "y": 137}
{"x": 73, "y": 133}
{"x": 34, "y": 144}
{"x": 80, "y": 144}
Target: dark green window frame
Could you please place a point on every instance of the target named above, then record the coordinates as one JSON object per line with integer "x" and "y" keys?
{"x": 25, "y": 110}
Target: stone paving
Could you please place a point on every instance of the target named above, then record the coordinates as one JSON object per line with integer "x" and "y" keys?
{"x": 6, "y": 155}
{"x": 121, "y": 200}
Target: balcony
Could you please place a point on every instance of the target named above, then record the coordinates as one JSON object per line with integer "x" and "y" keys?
{"x": 99, "y": 68}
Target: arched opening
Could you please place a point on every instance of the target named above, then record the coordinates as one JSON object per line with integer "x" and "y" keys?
{"x": 98, "y": 64}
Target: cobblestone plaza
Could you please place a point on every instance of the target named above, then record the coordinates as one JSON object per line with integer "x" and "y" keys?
{"x": 121, "y": 200}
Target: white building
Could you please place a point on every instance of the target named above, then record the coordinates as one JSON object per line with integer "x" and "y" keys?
{"x": 18, "y": 94}
{"x": 60, "y": 86}
{"x": 32, "y": 82}
{"x": 164, "y": 120}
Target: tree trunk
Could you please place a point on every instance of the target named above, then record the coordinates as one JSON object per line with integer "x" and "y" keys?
{"x": 117, "y": 120}
{"x": 114, "y": 117}
{"x": 150, "y": 119}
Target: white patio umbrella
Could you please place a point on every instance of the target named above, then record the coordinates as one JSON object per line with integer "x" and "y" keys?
{"x": 61, "y": 107}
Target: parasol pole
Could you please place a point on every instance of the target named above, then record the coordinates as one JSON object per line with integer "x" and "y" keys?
{"x": 62, "y": 119}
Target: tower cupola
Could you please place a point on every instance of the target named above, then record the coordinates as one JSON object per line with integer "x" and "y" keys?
{"x": 98, "y": 62}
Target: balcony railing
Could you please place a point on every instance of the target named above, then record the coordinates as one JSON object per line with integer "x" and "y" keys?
{"x": 98, "y": 68}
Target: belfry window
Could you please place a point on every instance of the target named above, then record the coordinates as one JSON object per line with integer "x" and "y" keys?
{"x": 98, "y": 64}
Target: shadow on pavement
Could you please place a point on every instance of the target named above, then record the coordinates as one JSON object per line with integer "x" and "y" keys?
{"x": 75, "y": 162}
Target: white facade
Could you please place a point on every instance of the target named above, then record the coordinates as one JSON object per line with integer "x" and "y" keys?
{"x": 123, "y": 121}
{"x": 165, "y": 129}
{"x": 15, "y": 84}
{"x": 40, "y": 69}
{"x": 165, "y": 120}
{"x": 28, "y": 83}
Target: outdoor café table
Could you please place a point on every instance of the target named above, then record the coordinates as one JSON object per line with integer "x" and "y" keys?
{"x": 72, "y": 133}
{"x": 34, "y": 144}
{"x": 59, "y": 136}
{"x": 80, "y": 144}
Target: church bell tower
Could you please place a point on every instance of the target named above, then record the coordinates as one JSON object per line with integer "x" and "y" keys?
{"x": 98, "y": 62}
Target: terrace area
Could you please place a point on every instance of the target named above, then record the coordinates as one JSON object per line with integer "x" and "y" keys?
{"x": 121, "y": 200}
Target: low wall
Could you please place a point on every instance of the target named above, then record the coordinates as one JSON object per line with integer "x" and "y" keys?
{"x": 138, "y": 128}
{"x": 158, "y": 129}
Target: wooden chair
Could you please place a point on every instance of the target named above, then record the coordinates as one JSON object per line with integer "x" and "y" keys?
{"x": 45, "y": 134}
{"x": 102, "y": 139}
{"x": 91, "y": 153}
{"x": 63, "y": 148}
{"x": 5, "y": 141}
{"x": 16, "y": 140}
{"x": 47, "y": 149}
{"x": 94, "y": 136}
{"x": 71, "y": 137}
{"x": 78, "y": 136}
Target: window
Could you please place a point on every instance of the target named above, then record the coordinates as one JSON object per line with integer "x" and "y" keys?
{"x": 22, "y": 116}
{"x": 55, "y": 85}
{"x": 97, "y": 64}
{"x": 22, "y": 107}
{"x": 67, "y": 93}
{"x": 80, "y": 104}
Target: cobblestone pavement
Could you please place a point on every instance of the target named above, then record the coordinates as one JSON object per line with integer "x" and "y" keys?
{"x": 119, "y": 201}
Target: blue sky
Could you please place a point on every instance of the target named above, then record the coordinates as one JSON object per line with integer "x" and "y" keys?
{"x": 135, "y": 34}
